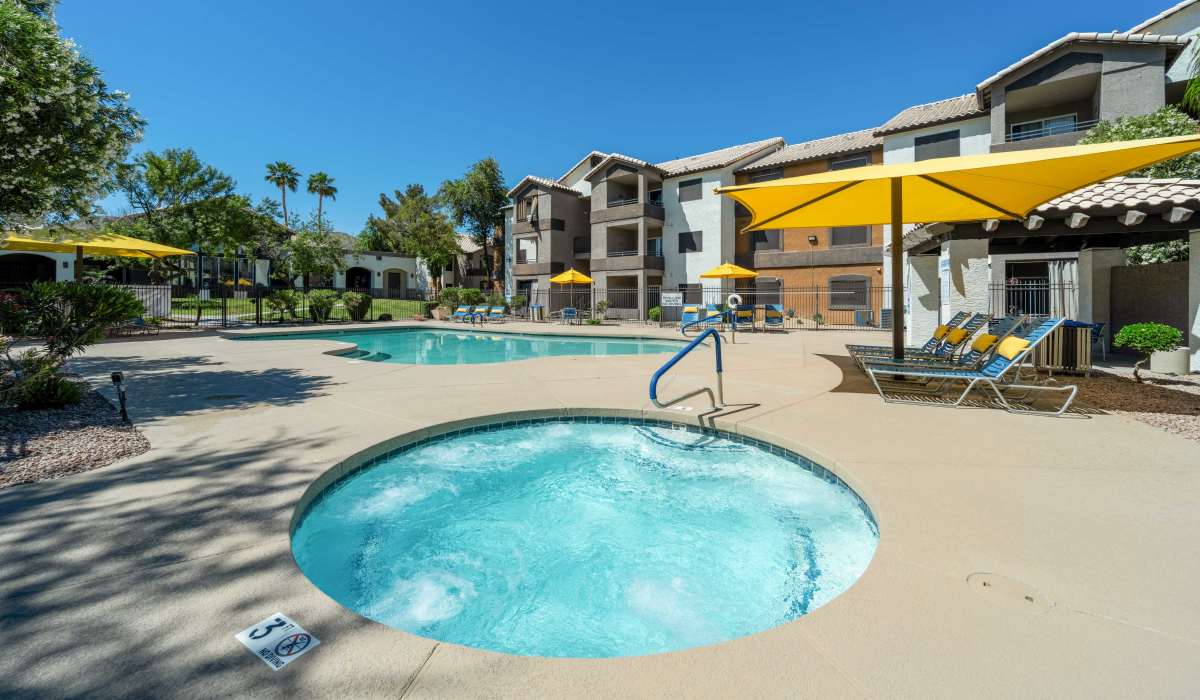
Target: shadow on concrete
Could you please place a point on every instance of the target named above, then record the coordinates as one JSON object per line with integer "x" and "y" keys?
{"x": 854, "y": 380}
{"x": 71, "y": 551}
{"x": 162, "y": 387}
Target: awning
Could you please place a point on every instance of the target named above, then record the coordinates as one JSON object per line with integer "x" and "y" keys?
{"x": 97, "y": 243}
{"x": 729, "y": 271}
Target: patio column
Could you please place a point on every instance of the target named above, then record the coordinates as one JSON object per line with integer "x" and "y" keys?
{"x": 1095, "y": 281}
{"x": 1193, "y": 339}
{"x": 965, "y": 264}
{"x": 922, "y": 298}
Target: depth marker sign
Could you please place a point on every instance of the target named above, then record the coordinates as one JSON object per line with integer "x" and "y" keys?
{"x": 277, "y": 640}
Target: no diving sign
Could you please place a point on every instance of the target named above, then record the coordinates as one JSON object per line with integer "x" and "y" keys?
{"x": 277, "y": 640}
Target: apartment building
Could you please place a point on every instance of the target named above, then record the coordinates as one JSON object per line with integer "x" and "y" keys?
{"x": 833, "y": 272}
{"x": 632, "y": 225}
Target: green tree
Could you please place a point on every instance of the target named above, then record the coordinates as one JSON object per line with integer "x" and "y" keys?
{"x": 285, "y": 177}
{"x": 180, "y": 201}
{"x": 62, "y": 131}
{"x": 1168, "y": 121}
{"x": 321, "y": 185}
{"x": 475, "y": 202}
{"x": 313, "y": 253}
{"x": 1147, "y": 339}
{"x": 411, "y": 224}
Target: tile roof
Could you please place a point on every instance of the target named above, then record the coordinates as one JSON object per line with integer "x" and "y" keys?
{"x": 638, "y": 162}
{"x": 716, "y": 159}
{"x": 1120, "y": 194}
{"x": 819, "y": 148}
{"x": 1111, "y": 197}
{"x": 545, "y": 182}
{"x": 931, "y": 113}
{"x": 1085, "y": 38}
{"x": 1161, "y": 16}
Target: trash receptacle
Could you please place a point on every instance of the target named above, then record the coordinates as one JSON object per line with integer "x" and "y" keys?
{"x": 536, "y": 312}
{"x": 1068, "y": 349}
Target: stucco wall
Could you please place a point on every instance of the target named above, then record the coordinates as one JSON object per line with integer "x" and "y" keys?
{"x": 712, "y": 214}
{"x": 1150, "y": 293}
{"x": 415, "y": 274}
{"x": 64, "y": 263}
{"x": 1132, "y": 81}
{"x": 974, "y": 137}
{"x": 1186, "y": 22}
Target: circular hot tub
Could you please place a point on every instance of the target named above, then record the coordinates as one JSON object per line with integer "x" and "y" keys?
{"x": 585, "y": 537}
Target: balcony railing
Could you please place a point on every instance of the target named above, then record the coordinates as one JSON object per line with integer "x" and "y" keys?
{"x": 621, "y": 253}
{"x": 1050, "y": 130}
{"x": 622, "y": 202}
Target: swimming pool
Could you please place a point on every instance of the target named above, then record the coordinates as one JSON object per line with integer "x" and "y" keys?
{"x": 585, "y": 537}
{"x": 452, "y": 347}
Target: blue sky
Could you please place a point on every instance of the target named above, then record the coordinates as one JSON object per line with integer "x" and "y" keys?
{"x": 382, "y": 94}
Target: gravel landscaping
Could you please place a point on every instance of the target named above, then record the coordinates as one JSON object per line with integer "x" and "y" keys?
{"x": 49, "y": 444}
{"x": 1167, "y": 402}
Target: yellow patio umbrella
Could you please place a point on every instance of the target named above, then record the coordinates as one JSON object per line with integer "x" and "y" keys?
{"x": 80, "y": 242}
{"x": 729, "y": 271}
{"x": 964, "y": 188}
{"x": 571, "y": 277}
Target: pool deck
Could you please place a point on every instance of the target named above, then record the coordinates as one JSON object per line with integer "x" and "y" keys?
{"x": 1019, "y": 556}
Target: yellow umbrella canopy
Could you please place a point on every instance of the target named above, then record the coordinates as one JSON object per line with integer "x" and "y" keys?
{"x": 729, "y": 271}
{"x": 571, "y": 276}
{"x": 964, "y": 188}
{"x": 96, "y": 243}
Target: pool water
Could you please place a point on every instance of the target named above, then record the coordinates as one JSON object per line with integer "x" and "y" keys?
{"x": 450, "y": 347}
{"x": 585, "y": 539}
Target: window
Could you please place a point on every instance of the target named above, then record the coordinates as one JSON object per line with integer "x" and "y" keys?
{"x": 764, "y": 175}
{"x": 767, "y": 290}
{"x": 654, "y": 247}
{"x": 849, "y": 292}
{"x": 850, "y": 162}
{"x": 940, "y": 145}
{"x": 849, "y": 236}
{"x": 526, "y": 250}
{"x": 765, "y": 240}
{"x": 1063, "y": 124}
{"x": 691, "y": 241}
{"x": 655, "y": 197}
{"x": 689, "y": 190}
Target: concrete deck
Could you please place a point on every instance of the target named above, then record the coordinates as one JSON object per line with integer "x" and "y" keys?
{"x": 132, "y": 580}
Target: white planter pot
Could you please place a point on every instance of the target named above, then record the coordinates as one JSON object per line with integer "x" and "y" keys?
{"x": 1170, "y": 362}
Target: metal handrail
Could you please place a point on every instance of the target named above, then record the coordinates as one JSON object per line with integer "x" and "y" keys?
{"x": 718, "y": 401}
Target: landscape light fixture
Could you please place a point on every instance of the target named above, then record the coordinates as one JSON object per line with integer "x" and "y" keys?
{"x": 118, "y": 379}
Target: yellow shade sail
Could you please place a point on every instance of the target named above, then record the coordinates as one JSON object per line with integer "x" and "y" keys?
{"x": 965, "y": 188}
{"x": 571, "y": 276}
{"x": 729, "y": 271}
{"x": 94, "y": 243}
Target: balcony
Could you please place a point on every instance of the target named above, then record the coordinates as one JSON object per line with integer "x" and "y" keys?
{"x": 627, "y": 209}
{"x": 581, "y": 248}
{"x": 1061, "y": 134}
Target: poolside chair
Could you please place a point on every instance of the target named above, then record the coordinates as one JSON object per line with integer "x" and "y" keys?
{"x": 772, "y": 316}
{"x": 1000, "y": 374}
{"x": 461, "y": 313}
{"x": 570, "y": 315}
{"x": 138, "y": 326}
{"x": 939, "y": 334}
{"x": 950, "y": 341}
{"x": 713, "y": 315}
{"x": 691, "y": 314}
{"x": 743, "y": 316}
{"x": 496, "y": 315}
{"x": 481, "y": 311}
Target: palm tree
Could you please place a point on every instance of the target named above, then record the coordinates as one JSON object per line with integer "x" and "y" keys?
{"x": 285, "y": 177}
{"x": 321, "y": 185}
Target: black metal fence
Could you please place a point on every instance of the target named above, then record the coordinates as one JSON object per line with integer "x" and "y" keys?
{"x": 1034, "y": 298}
{"x": 229, "y": 306}
{"x": 858, "y": 307}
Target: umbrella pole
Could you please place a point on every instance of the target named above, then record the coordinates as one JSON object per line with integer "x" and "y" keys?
{"x": 78, "y": 263}
{"x": 897, "y": 268}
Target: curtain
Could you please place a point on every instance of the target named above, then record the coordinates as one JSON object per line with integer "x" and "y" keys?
{"x": 1064, "y": 288}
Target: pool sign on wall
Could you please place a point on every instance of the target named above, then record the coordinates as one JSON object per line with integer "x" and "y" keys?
{"x": 277, "y": 640}
{"x": 672, "y": 299}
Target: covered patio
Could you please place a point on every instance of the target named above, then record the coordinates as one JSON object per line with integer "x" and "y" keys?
{"x": 952, "y": 267}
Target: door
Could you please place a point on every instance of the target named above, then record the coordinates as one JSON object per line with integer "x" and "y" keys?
{"x": 395, "y": 282}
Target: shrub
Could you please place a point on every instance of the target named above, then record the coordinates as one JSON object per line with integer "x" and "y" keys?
{"x": 519, "y": 301}
{"x": 35, "y": 383}
{"x": 283, "y": 301}
{"x": 601, "y": 307}
{"x": 1147, "y": 338}
{"x": 12, "y": 310}
{"x": 450, "y": 297}
{"x": 70, "y": 315}
{"x": 429, "y": 307}
{"x": 320, "y": 304}
{"x": 655, "y": 313}
{"x": 497, "y": 299}
{"x": 358, "y": 304}
{"x": 470, "y": 295}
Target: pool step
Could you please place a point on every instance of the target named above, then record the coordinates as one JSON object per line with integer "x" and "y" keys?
{"x": 377, "y": 357}
{"x": 355, "y": 354}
